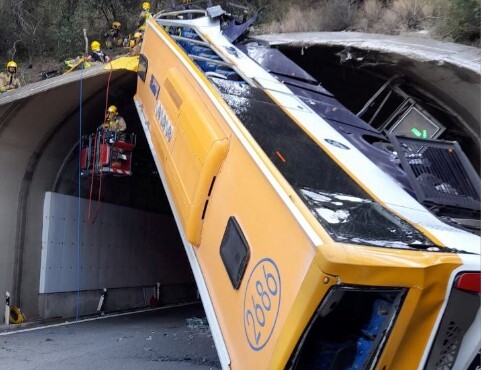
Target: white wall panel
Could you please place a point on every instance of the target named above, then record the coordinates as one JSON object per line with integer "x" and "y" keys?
{"x": 124, "y": 247}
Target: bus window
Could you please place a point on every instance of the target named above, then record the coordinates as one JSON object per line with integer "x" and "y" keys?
{"x": 234, "y": 252}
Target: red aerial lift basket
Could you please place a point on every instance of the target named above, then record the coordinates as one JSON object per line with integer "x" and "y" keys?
{"x": 107, "y": 152}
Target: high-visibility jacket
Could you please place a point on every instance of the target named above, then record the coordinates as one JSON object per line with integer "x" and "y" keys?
{"x": 9, "y": 81}
{"x": 142, "y": 21}
{"x": 115, "y": 124}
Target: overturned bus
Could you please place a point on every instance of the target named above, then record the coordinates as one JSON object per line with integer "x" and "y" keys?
{"x": 317, "y": 240}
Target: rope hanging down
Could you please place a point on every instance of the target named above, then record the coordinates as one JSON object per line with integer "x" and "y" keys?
{"x": 89, "y": 219}
{"x": 79, "y": 198}
{"x": 79, "y": 179}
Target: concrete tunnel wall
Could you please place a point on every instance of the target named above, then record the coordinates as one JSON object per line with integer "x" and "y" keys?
{"x": 39, "y": 127}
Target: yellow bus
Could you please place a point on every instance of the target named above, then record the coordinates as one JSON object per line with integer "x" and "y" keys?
{"x": 306, "y": 253}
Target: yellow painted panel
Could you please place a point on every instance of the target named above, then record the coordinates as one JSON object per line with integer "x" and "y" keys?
{"x": 177, "y": 191}
{"x": 196, "y": 120}
{"x": 210, "y": 169}
{"x": 380, "y": 266}
{"x": 242, "y": 191}
{"x": 196, "y": 146}
{"x": 417, "y": 330}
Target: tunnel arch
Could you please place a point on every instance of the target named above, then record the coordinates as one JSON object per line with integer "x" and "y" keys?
{"x": 37, "y": 140}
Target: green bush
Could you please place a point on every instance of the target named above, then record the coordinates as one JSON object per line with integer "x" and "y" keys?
{"x": 464, "y": 21}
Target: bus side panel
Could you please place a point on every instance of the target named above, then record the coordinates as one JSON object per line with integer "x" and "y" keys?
{"x": 186, "y": 133}
{"x": 274, "y": 238}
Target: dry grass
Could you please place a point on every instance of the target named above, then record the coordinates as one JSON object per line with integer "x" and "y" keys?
{"x": 296, "y": 19}
{"x": 412, "y": 13}
{"x": 338, "y": 15}
{"x": 400, "y": 16}
{"x": 376, "y": 16}
{"x": 329, "y": 15}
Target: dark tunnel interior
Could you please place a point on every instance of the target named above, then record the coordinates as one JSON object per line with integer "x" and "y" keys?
{"x": 144, "y": 189}
{"x": 353, "y": 76}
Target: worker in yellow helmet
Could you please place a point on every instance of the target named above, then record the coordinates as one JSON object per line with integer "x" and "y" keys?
{"x": 144, "y": 16}
{"x": 114, "y": 37}
{"x": 9, "y": 80}
{"x": 97, "y": 55}
{"x": 114, "y": 121}
{"x": 135, "y": 44}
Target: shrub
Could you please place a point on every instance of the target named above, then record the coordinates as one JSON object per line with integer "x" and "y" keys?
{"x": 464, "y": 21}
{"x": 297, "y": 19}
{"x": 453, "y": 20}
{"x": 338, "y": 15}
{"x": 329, "y": 15}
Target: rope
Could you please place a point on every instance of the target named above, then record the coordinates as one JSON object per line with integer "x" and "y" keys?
{"x": 95, "y": 156}
{"x": 94, "y": 161}
{"x": 91, "y": 186}
{"x": 79, "y": 199}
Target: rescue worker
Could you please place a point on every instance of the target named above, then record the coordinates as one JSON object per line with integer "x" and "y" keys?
{"x": 135, "y": 44}
{"x": 97, "y": 55}
{"x": 186, "y": 4}
{"x": 114, "y": 36}
{"x": 114, "y": 127}
{"x": 113, "y": 121}
{"x": 9, "y": 80}
{"x": 144, "y": 16}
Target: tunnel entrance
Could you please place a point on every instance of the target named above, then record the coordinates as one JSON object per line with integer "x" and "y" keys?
{"x": 129, "y": 243}
{"x": 143, "y": 190}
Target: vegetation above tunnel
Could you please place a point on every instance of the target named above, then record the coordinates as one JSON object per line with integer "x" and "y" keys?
{"x": 36, "y": 31}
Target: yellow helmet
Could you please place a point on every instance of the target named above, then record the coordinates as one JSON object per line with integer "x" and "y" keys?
{"x": 11, "y": 64}
{"x": 137, "y": 35}
{"x": 146, "y": 6}
{"x": 116, "y": 25}
{"x": 112, "y": 109}
{"x": 95, "y": 46}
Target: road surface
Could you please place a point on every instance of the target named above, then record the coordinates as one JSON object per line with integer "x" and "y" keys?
{"x": 174, "y": 338}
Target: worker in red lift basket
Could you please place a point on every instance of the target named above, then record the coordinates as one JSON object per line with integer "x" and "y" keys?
{"x": 114, "y": 121}
{"x": 114, "y": 127}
